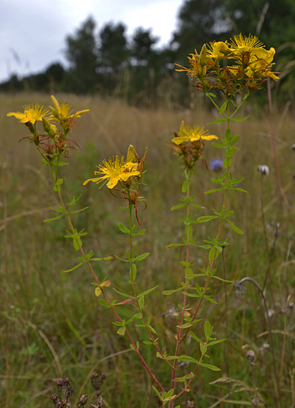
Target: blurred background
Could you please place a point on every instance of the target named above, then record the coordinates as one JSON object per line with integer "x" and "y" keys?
{"x": 127, "y": 49}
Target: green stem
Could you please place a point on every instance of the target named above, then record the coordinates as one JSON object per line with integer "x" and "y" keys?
{"x": 133, "y": 285}
{"x": 179, "y": 331}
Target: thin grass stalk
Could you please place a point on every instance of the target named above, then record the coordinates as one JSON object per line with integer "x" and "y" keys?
{"x": 284, "y": 344}
{"x": 227, "y": 366}
{"x": 7, "y": 367}
{"x": 276, "y": 382}
{"x": 274, "y": 146}
{"x": 262, "y": 216}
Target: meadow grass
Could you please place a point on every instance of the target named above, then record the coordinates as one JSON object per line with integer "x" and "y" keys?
{"x": 52, "y": 324}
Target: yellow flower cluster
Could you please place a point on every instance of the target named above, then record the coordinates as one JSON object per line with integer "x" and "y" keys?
{"x": 34, "y": 113}
{"x": 55, "y": 141}
{"x": 251, "y": 60}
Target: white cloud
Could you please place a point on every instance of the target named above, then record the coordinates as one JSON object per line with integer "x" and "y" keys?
{"x": 34, "y": 31}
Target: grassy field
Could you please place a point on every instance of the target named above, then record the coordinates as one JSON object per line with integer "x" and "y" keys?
{"x": 51, "y": 322}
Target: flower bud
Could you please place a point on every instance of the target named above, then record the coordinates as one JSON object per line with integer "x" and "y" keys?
{"x": 48, "y": 127}
{"x": 203, "y": 55}
{"x": 131, "y": 154}
{"x": 264, "y": 170}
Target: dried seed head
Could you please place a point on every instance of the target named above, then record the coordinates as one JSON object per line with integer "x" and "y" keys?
{"x": 263, "y": 169}
{"x": 83, "y": 400}
{"x": 251, "y": 356}
{"x": 271, "y": 313}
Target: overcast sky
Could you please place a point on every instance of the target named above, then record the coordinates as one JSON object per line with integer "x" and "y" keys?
{"x": 32, "y": 32}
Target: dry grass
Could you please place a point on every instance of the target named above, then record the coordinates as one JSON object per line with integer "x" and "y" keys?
{"x": 53, "y": 325}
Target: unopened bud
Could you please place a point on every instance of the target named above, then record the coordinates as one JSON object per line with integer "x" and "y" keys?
{"x": 264, "y": 170}
{"x": 48, "y": 127}
{"x": 203, "y": 55}
{"x": 131, "y": 154}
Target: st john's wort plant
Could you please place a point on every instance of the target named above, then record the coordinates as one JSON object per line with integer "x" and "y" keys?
{"x": 124, "y": 177}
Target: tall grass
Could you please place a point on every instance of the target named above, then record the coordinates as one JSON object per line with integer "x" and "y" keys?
{"x": 52, "y": 325}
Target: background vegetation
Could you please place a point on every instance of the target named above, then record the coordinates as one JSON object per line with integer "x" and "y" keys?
{"x": 105, "y": 62}
{"x": 52, "y": 324}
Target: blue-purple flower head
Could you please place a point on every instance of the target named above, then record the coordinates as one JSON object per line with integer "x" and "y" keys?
{"x": 216, "y": 165}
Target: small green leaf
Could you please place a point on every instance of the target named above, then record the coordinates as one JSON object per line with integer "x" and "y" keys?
{"x": 239, "y": 119}
{"x": 217, "y": 121}
{"x": 174, "y": 245}
{"x": 212, "y": 254}
{"x": 195, "y": 295}
{"x": 185, "y": 186}
{"x": 223, "y": 107}
{"x": 185, "y": 325}
{"x": 207, "y": 330}
{"x": 123, "y": 294}
{"x": 178, "y": 206}
{"x": 211, "y": 300}
{"x": 75, "y": 267}
{"x": 206, "y": 218}
{"x": 213, "y": 191}
{"x": 227, "y": 162}
{"x": 187, "y": 359}
{"x": 216, "y": 342}
{"x": 123, "y": 229}
{"x": 157, "y": 392}
{"x": 141, "y": 257}
{"x": 239, "y": 189}
{"x": 147, "y": 291}
{"x": 134, "y": 269}
{"x": 169, "y": 292}
{"x": 195, "y": 337}
{"x": 236, "y": 229}
{"x": 210, "y": 366}
{"x": 222, "y": 280}
{"x": 121, "y": 331}
{"x": 139, "y": 233}
{"x": 211, "y": 94}
{"x": 55, "y": 218}
{"x": 121, "y": 259}
{"x": 218, "y": 145}
{"x": 141, "y": 302}
{"x": 103, "y": 303}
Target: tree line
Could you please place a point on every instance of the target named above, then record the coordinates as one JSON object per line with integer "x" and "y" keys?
{"x": 105, "y": 62}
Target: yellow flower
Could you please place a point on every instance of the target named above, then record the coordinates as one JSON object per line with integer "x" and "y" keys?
{"x": 32, "y": 113}
{"x": 61, "y": 111}
{"x": 217, "y": 49}
{"x": 190, "y": 134}
{"x": 114, "y": 171}
{"x": 242, "y": 44}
